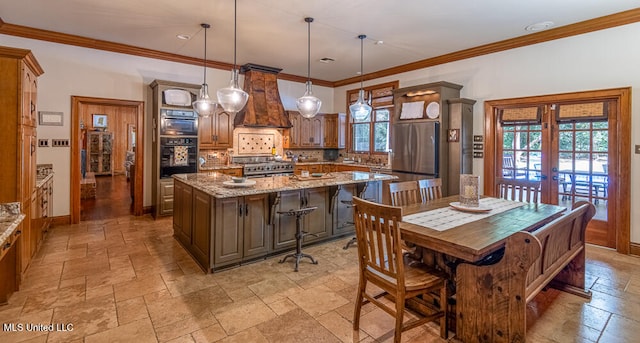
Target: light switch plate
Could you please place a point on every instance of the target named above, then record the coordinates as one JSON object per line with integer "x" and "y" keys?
{"x": 637, "y": 148}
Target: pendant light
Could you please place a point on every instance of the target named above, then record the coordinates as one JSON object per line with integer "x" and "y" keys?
{"x": 308, "y": 105}
{"x": 360, "y": 110}
{"x": 232, "y": 98}
{"x": 204, "y": 106}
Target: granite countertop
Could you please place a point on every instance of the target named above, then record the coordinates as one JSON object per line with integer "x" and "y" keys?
{"x": 212, "y": 183}
{"x": 10, "y": 218}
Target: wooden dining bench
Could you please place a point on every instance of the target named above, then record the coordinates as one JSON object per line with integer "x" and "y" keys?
{"x": 553, "y": 255}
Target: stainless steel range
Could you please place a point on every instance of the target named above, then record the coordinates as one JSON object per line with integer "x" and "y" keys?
{"x": 261, "y": 166}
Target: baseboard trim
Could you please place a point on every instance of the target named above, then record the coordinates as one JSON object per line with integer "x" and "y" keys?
{"x": 147, "y": 210}
{"x": 61, "y": 220}
{"x": 634, "y": 249}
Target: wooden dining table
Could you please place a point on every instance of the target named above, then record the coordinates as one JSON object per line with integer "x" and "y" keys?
{"x": 476, "y": 242}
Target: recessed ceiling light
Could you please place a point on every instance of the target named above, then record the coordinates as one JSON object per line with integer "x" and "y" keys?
{"x": 379, "y": 42}
{"x": 184, "y": 37}
{"x": 327, "y": 60}
{"x": 539, "y": 26}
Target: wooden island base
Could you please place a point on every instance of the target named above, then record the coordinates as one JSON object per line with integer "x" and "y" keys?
{"x": 223, "y": 227}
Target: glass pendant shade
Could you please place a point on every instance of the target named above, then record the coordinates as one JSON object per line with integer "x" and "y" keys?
{"x": 308, "y": 105}
{"x": 203, "y": 105}
{"x": 232, "y": 98}
{"x": 360, "y": 110}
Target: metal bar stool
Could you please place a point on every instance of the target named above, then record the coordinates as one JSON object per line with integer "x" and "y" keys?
{"x": 353, "y": 240}
{"x": 299, "y": 235}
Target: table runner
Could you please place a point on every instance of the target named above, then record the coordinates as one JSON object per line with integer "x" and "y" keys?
{"x": 445, "y": 218}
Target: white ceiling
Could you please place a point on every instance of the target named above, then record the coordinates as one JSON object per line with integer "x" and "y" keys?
{"x": 273, "y": 32}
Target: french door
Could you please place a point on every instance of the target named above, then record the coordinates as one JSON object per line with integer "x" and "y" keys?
{"x": 571, "y": 144}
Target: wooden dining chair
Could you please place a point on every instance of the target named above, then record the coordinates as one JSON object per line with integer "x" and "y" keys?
{"x": 404, "y": 193}
{"x": 518, "y": 190}
{"x": 430, "y": 189}
{"x": 381, "y": 263}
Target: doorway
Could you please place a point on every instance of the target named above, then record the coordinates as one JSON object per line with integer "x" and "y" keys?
{"x": 109, "y": 132}
{"x": 576, "y": 144}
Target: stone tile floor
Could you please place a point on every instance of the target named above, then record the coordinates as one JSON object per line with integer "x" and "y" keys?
{"x": 127, "y": 280}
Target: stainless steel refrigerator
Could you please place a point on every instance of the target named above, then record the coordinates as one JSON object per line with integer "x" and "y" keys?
{"x": 415, "y": 150}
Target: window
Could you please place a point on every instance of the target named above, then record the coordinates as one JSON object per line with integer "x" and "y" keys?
{"x": 371, "y": 136}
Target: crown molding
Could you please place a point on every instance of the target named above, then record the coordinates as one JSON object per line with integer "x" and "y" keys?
{"x": 596, "y": 24}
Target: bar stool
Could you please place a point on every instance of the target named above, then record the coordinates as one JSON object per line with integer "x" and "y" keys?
{"x": 353, "y": 240}
{"x": 299, "y": 235}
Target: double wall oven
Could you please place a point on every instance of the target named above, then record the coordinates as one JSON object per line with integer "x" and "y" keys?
{"x": 178, "y": 142}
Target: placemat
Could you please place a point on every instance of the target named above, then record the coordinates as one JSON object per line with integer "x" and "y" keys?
{"x": 446, "y": 218}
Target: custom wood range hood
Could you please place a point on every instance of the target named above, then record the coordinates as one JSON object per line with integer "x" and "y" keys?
{"x": 264, "y": 107}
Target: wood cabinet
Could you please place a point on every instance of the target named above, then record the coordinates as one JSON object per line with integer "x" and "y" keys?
{"x": 335, "y": 126}
{"x": 182, "y": 212}
{"x": 311, "y": 168}
{"x": 352, "y": 167}
{"x": 165, "y": 197}
{"x": 343, "y": 213}
{"x": 41, "y": 213}
{"x": 231, "y": 171}
{"x": 216, "y": 131}
{"x": 19, "y": 82}
{"x": 100, "y": 152}
{"x": 192, "y": 221}
{"x": 305, "y": 132}
{"x": 162, "y": 188}
{"x": 317, "y": 222}
{"x": 240, "y": 226}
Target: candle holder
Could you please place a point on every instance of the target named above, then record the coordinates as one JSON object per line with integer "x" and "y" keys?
{"x": 469, "y": 194}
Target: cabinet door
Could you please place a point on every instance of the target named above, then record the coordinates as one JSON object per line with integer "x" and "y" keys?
{"x": 257, "y": 237}
{"x": 330, "y": 131}
{"x": 342, "y": 130}
{"x": 228, "y": 231}
{"x": 201, "y": 234}
{"x": 27, "y": 182}
{"x": 315, "y": 131}
{"x": 205, "y": 132}
{"x": 166, "y": 197}
{"x": 224, "y": 130}
{"x": 319, "y": 221}
{"x": 182, "y": 223}
{"x": 343, "y": 213}
{"x": 29, "y": 88}
{"x": 284, "y": 228}
{"x": 372, "y": 191}
{"x": 295, "y": 134}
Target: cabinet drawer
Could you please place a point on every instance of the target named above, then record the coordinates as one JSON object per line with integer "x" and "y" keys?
{"x": 232, "y": 172}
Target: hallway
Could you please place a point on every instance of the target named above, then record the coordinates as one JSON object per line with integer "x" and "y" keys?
{"x": 112, "y": 199}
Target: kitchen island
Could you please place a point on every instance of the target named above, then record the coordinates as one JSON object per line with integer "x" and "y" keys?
{"x": 222, "y": 224}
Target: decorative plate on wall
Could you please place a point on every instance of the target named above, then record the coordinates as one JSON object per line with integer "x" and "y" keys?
{"x": 433, "y": 110}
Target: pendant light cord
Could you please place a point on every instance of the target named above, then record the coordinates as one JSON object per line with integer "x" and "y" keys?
{"x": 235, "y": 30}
{"x": 308, "y": 20}
{"x": 362, "y": 37}
{"x": 205, "y": 26}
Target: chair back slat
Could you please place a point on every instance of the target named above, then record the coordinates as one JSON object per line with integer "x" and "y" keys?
{"x": 430, "y": 189}
{"x": 378, "y": 235}
{"x": 404, "y": 193}
{"x": 518, "y": 190}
